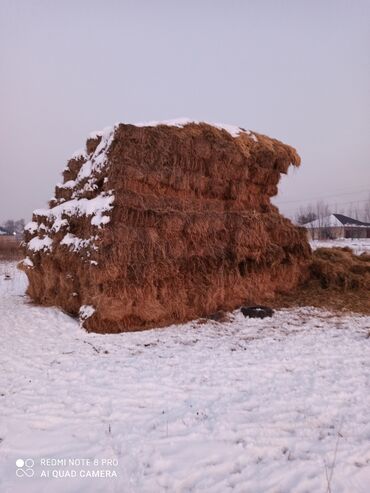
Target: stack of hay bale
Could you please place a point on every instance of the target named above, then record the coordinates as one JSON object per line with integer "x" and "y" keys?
{"x": 165, "y": 222}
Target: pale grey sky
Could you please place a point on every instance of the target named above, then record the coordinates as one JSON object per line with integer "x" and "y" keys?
{"x": 296, "y": 70}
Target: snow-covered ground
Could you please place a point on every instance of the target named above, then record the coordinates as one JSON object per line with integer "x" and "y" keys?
{"x": 358, "y": 246}
{"x": 274, "y": 405}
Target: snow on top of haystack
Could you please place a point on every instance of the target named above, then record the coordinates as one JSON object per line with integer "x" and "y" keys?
{"x": 80, "y": 153}
{"x": 107, "y": 133}
{"x": 233, "y": 130}
{"x": 104, "y": 134}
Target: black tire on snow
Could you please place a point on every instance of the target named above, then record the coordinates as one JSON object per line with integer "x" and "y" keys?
{"x": 257, "y": 311}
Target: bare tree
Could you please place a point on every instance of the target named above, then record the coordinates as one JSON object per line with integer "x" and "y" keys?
{"x": 19, "y": 226}
{"x": 353, "y": 211}
{"x": 322, "y": 213}
{"x": 323, "y": 218}
{"x": 366, "y": 211}
{"x": 306, "y": 214}
{"x": 9, "y": 226}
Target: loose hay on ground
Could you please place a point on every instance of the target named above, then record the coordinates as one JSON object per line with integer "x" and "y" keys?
{"x": 337, "y": 279}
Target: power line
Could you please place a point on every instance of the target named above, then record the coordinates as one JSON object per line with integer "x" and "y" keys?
{"x": 333, "y": 204}
{"x": 324, "y": 197}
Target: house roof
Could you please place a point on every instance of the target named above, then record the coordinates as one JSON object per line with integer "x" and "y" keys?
{"x": 345, "y": 220}
{"x": 335, "y": 221}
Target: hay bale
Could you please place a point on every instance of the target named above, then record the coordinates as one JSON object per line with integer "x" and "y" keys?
{"x": 340, "y": 269}
{"x": 163, "y": 223}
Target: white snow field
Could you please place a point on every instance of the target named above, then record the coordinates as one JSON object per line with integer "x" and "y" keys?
{"x": 361, "y": 245}
{"x": 253, "y": 406}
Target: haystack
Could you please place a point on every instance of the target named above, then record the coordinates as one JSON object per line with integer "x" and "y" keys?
{"x": 162, "y": 223}
{"x": 337, "y": 280}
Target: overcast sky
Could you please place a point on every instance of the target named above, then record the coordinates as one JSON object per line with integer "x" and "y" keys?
{"x": 295, "y": 70}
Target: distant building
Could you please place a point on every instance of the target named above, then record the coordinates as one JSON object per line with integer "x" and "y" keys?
{"x": 337, "y": 226}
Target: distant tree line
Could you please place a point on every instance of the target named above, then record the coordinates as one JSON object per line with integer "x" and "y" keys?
{"x": 14, "y": 227}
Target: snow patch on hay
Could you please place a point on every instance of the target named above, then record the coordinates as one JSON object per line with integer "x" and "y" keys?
{"x": 95, "y": 163}
{"x": 86, "y": 311}
{"x": 80, "y": 153}
{"x": 31, "y": 227}
{"x": 27, "y": 262}
{"x": 95, "y": 207}
{"x": 59, "y": 224}
{"x": 57, "y": 218}
{"x": 105, "y": 133}
{"x": 37, "y": 244}
{"x": 75, "y": 244}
